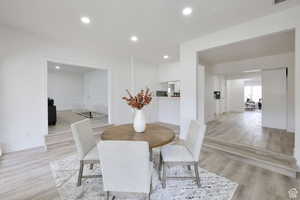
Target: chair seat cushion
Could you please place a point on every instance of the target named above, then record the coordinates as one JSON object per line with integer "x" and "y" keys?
{"x": 176, "y": 153}
{"x": 92, "y": 154}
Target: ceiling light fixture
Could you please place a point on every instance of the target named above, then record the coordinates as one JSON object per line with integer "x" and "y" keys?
{"x": 187, "y": 11}
{"x": 134, "y": 38}
{"x": 57, "y": 67}
{"x": 85, "y": 20}
{"x": 166, "y": 57}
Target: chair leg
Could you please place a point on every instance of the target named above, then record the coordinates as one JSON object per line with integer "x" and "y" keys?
{"x": 164, "y": 179}
{"x": 151, "y": 186}
{"x": 148, "y": 196}
{"x": 151, "y": 154}
{"x": 80, "y": 173}
{"x": 197, "y": 174}
{"x": 107, "y": 195}
{"x": 160, "y": 166}
{"x": 91, "y": 166}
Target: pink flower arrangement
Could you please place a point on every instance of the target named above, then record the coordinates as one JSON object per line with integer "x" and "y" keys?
{"x": 140, "y": 100}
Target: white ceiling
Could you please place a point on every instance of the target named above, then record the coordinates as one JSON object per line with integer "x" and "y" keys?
{"x": 246, "y": 76}
{"x": 68, "y": 68}
{"x": 159, "y": 24}
{"x": 282, "y": 42}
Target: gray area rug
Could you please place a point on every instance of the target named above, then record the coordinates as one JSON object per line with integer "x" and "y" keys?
{"x": 213, "y": 187}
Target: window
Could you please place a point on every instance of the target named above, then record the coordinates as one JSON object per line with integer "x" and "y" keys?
{"x": 253, "y": 93}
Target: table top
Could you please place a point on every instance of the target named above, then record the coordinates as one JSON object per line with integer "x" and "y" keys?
{"x": 154, "y": 134}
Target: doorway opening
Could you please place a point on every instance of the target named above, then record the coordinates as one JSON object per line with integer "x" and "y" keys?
{"x": 249, "y": 94}
{"x": 253, "y": 96}
{"x": 76, "y": 93}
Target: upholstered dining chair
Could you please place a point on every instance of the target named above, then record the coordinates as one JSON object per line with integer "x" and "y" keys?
{"x": 126, "y": 168}
{"x": 86, "y": 147}
{"x": 186, "y": 154}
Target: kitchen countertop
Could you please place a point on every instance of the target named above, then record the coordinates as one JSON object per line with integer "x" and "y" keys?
{"x": 168, "y": 97}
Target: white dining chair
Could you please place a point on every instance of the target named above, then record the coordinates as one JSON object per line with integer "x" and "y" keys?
{"x": 186, "y": 154}
{"x": 86, "y": 147}
{"x": 125, "y": 167}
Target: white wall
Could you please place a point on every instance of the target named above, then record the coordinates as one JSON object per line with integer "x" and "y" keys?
{"x": 200, "y": 92}
{"x": 23, "y": 84}
{"x": 169, "y": 107}
{"x": 95, "y": 84}
{"x": 169, "y": 72}
{"x": 188, "y": 52}
{"x": 21, "y": 89}
{"x": 66, "y": 88}
{"x": 297, "y": 95}
{"x": 235, "y": 95}
{"x": 77, "y": 90}
{"x": 291, "y": 98}
{"x": 222, "y": 86}
{"x": 210, "y": 101}
{"x": 266, "y": 62}
{"x": 285, "y": 20}
{"x": 274, "y": 92}
{"x": 169, "y": 110}
{"x": 145, "y": 76}
{"x": 214, "y": 107}
{"x": 252, "y": 82}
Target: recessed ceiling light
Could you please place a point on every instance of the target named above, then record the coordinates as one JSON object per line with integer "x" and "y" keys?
{"x": 134, "y": 38}
{"x": 187, "y": 11}
{"x": 85, "y": 20}
{"x": 166, "y": 56}
{"x": 57, "y": 67}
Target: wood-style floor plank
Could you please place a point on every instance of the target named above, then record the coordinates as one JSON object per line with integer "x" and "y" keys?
{"x": 31, "y": 179}
{"x": 245, "y": 128}
{"x": 26, "y": 175}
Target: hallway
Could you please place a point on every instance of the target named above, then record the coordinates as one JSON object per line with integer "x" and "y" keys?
{"x": 245, "y": 129}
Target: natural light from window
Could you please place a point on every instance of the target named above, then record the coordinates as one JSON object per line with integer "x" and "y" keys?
{"x": 253, "y": 92}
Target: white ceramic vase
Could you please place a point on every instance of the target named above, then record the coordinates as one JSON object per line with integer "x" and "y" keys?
{"x": 139, "y": 122}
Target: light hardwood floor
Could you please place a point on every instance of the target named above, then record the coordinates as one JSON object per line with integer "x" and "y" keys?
{"x": 245, "y": 128}
{"x": 26, "y": 176}
{"x": 66, "y": 117}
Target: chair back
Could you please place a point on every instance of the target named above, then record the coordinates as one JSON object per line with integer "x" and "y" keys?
{"x": 83, "y": 136}
{"x": 195, "y": 138}
{"x": 125, "y": 166}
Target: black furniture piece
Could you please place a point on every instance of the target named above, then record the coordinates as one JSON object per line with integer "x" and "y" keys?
{"x": 161, "y": 93}
{"x": 51, "y": 112}
{"x": 259, "y": 104}
{"x": 217, "y": 94}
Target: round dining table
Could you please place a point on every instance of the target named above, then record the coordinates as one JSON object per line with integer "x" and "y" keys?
{"x": 156, "y": 135}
